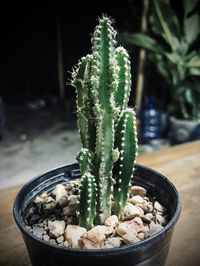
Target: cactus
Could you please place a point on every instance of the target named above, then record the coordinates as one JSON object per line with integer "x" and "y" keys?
{"x": 106, "y": 126}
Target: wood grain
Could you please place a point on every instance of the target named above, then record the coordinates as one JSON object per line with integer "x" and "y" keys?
{"x": 181, "y": 164}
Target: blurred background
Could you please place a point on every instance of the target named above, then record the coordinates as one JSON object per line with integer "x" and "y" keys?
{"x": 39, "y": 47}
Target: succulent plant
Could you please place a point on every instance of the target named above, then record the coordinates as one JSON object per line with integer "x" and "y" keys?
{"x": 107, "y": 127}
{"x": 173, "y": 43}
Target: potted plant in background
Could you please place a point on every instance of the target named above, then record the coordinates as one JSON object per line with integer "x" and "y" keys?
{"x": 100, "y": 211}
{"x": 174, "y": 49}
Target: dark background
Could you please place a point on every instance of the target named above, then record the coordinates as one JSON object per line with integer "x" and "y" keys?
{"x": 28, "y": 47}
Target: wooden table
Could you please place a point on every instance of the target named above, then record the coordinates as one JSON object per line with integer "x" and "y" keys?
{"x": 181, "y": 164}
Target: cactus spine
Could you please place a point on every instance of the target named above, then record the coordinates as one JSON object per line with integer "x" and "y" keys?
{"x": 106, "y": 126}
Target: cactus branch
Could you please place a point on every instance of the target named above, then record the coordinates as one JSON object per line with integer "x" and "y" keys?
{"x": 87, "y": 201}
{"x": 84, "y": 158}
{"x": 126, "y": 141}
{"x": 102, "y": 80}
{"x": 81, "y": 81}
{"x": 124, "y": 86}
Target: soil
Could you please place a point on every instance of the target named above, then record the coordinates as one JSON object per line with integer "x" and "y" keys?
{"x": 52, "y": 217}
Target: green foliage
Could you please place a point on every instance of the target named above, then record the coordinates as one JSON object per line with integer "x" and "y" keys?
{"x": 173, "y": 48}
{"x": 106, "y": 126}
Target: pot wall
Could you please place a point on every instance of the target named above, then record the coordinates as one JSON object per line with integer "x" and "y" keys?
{"x": 183, "y": 130}
{"x": 152, "y": 251}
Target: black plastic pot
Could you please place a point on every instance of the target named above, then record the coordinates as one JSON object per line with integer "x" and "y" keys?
{"x": 152, "y": 251}
{"x": 182, "y": 130}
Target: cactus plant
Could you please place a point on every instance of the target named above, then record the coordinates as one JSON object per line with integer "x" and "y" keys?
{"x": 107, "y": 127}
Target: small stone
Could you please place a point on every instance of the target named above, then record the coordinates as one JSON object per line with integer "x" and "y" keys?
{"x": 45, "y": 224}
{"x": 125, "y": 228}
{"x": 146, "y": 198}
{"x": 46, "y": 237}
{"x": 152, "y": 224}
{"x": 39, "y": 224}
{"x": 141, "y": 235}
{"x": 112, "y": 221}
{"x": 130, "y": 211}
{"x": 32, "y": 210}
{"x": 147, "y": 217}
{"x": 59, "y": 192}
{"x": 145, "y": 229}
{"x": 73, "y": 233}
{"x": 75, "y": 191}
{"x": 28, "y": 227}
{"x": 69, "y": 210}
{"x": 153, "y": 230}
{"x": 76, "y": 183}
{"x": 159, "y": 207}
{"x": 86, "y": 243}
{"x": 136, "y": 200}
{"x": 138, "y": 190}
{"x": 137, "y": 224}
{"x": 60, "y": 239}
{"x": 44, "y": 195}
{"x": 160, "y": 219}
{"x": 66, "y": 244}
{"x": 41, "y": 198}
{"x": 158, "y": 212}
{"x": 56, "y": 228}
{"x": 71, "y": 220}
{"x": 52, "y": 241}
{"x": 63, "y": 201}
{"x": 130, "y": 238}
{"x": 38, "y": 231}
{"x": 49, "y": 204}
{"x": 95, "y": 237}
{"x": 113, "y": 242}
{"x": 72, "y": 200}
{"x": 38, "y": 200}
{"x": 146, "y": 206}
{"x": 103, "y": 229}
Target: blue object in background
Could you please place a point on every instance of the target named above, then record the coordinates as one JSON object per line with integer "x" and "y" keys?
{"x": 150, "y": 122}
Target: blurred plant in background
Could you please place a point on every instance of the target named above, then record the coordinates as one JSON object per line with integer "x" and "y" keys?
{"x": 174, "y": 48}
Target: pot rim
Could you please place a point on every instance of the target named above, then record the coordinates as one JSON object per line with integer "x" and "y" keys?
{"x": 103, "y": 251}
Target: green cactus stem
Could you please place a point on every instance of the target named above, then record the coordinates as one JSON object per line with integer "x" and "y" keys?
{"x": 124, "y": 84}
{"x": 81, "y": 81}
{"x": 126, "y": 142}
{"x": 84, "y": 158}
{"x": 102, "y": 80}
{"x": 87, "y": 201}
{"x": 106, "y": 126}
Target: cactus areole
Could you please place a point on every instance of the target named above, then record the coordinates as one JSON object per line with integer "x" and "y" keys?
{"x": 107, "y": 127}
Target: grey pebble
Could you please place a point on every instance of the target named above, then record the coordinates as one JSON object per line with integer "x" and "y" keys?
{"x": 52, "y": 241}
{"x": 38, "y": 231}
{"x": 60, "y": 239}
{"x": 46, "y": 237}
